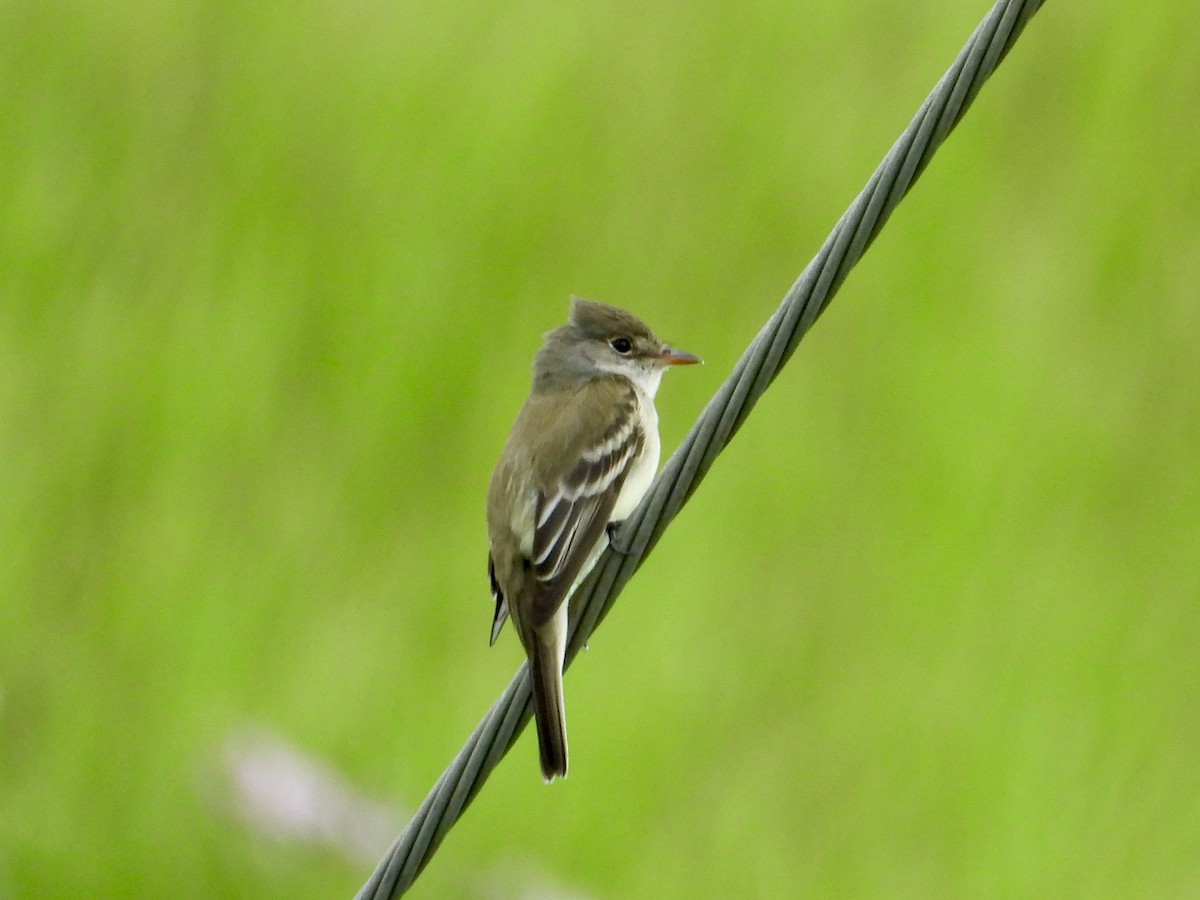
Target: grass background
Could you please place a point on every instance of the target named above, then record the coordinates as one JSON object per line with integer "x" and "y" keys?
{"x": 270, "y": 282}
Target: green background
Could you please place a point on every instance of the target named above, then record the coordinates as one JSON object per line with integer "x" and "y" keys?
{"x": 271, "y": 278}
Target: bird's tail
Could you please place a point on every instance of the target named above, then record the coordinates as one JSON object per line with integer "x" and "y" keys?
{"x": 545, "y": 667}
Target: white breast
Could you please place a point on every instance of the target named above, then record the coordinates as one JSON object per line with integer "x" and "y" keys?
{"x": 644, "y": 467}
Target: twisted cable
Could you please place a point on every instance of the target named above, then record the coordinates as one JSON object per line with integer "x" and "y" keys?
{"x": 715, "y": 427}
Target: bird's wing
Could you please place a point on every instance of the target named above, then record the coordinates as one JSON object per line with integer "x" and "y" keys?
{"x": 570, "y": 514}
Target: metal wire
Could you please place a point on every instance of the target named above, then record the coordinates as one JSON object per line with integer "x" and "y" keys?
{"x": 719, "y": 421}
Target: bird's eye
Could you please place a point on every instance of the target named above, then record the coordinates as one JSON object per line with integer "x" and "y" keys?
{"x": 621, "y": 345}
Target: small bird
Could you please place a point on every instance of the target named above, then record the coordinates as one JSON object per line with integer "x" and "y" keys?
{"x": 581, "y": 454}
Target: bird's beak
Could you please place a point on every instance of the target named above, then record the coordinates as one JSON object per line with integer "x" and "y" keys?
{"x": 672, "y": 357}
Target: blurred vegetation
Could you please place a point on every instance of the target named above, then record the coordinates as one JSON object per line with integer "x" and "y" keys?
{"x": 271, "y": 278}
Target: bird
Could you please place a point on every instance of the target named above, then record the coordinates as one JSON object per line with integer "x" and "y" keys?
{"x": 580, "y": 456}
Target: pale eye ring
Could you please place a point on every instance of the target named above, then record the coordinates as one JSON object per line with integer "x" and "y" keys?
{"x": 621, "y": 344}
